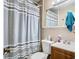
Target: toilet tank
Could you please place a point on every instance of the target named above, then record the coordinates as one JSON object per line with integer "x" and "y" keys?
{"x": 46, "y": 46}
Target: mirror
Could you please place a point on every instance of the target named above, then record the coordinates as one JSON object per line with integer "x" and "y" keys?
{"x": 52, "y": 17}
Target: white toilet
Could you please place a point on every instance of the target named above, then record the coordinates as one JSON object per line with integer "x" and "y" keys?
{"x": 46, "y": 46}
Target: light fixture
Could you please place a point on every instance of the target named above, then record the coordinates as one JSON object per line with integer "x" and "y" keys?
{"x": 53, "y": 3}
{"x": 59, "y": 3}
{"x": 58, "y": 0}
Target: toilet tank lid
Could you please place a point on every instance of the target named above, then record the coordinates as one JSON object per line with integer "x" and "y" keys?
{"x": 48, "y": 41}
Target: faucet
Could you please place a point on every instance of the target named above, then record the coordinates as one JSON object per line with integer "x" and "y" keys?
{"x": 66, "y": 41}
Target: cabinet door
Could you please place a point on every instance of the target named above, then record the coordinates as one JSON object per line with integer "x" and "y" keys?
{"x": 57, "y": 53}
{"x": 60, "y": 55}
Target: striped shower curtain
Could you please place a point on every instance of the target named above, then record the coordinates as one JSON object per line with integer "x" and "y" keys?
{"x": 21, "y": 29}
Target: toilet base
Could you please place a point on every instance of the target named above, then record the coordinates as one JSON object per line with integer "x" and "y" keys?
{"x": 39, "y": 55}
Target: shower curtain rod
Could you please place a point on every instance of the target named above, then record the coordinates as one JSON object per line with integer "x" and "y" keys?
{"x": 37, "y": 3}
{"x": 34, "y": 2}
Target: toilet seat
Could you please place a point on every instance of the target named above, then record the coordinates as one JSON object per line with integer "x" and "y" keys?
{"x": 39, "y": 55}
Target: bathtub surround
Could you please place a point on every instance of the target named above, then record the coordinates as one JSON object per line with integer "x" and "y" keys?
{"x": 21, "y": 28}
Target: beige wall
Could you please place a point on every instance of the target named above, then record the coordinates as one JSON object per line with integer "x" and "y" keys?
{"x": 66, "y": 35}
{"x": 47, "y": 4}
{"x": 53, "y": 32}
{"x": 62, "y": 14}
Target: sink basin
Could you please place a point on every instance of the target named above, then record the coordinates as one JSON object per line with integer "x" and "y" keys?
{"x": 65, "y": 46}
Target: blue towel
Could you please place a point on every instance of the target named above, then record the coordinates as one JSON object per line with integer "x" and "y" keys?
{"x": 70, "y": 19}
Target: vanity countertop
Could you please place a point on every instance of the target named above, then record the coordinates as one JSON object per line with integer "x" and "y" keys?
{"x": 65, "y": 46}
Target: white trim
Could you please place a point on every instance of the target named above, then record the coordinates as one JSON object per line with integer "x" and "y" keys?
{"x": 54, "y": 27}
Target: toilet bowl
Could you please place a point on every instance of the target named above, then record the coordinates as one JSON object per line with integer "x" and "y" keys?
{"x": 46, "y": 46}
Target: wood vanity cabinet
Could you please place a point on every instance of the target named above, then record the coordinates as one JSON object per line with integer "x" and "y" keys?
{"x": 57, "y": 53}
